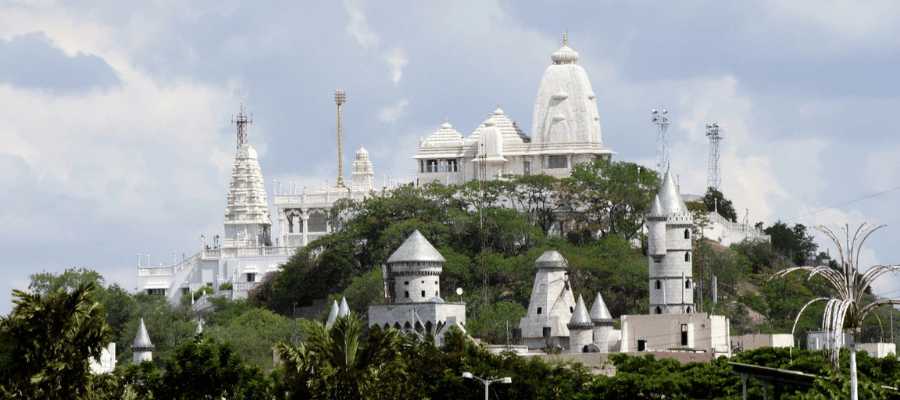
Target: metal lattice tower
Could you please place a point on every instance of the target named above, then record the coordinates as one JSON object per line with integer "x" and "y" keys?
{"x": 714, "y": 179}
{"x": 340, "y": 98}
{"x": 661, "y": 119}
{"x": 241, "y": 121}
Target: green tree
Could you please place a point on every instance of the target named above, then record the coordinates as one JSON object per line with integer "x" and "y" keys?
{"x": 716, "y": 201}
{"x": 255, "y": 333}
{"x": 609, "y": 198}
{"x": 489, "y": 321}
{"x": 792, "y": 242}
{"x": 53, "y": 337}
{"x": 204, "y": 368}
{"x": 333, "y": 363}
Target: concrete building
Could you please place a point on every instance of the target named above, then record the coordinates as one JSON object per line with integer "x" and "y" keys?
{"x": 669, "y": 238}
{"x": 142, "y": 348}
{"x": 412, "y": 292}
{"x": 551, "y": 306}
{"x": 565, "y": 128}
{"x": 757, "y": 340}
{"x": 106, "y": 363}
{"x": 698, "y": 332}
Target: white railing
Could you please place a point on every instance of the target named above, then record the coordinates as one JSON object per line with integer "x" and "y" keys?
{"x": 244, "y": 286}
{"x": 156, "y": 271}
{"x": 735, "y": 226}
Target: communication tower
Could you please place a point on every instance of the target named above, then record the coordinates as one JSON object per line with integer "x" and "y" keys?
{"x": 241, "y": 121}
{"x": 661, "y": 119}
{"x": 340, "y": 98}
{"x": 714, "y": 180}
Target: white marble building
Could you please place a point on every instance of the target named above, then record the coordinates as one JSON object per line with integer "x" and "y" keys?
{"x": 565, "y": 128}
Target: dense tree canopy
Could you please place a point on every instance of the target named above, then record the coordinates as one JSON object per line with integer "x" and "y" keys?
{"x": 716, "y": 201}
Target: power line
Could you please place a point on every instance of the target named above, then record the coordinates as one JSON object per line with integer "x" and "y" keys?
{"x": 844, "y": 204}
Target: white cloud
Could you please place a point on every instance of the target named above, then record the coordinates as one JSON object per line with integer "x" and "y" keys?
{"x": 396, "y": 59}
{"x": 392, "y": 113}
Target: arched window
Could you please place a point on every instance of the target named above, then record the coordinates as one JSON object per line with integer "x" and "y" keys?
{"x": 687, "y": 284}
{"x": 406, "y": 294}
{"x": 658, "y": 310}
{"x": 687, "y": 233}
{"x": 687, "y": 256}
{"x": 689, "y": 309}
{"x": 658, "y": 285}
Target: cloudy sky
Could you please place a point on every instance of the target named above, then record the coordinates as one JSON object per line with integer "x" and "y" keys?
{"x": 115, "y": 116}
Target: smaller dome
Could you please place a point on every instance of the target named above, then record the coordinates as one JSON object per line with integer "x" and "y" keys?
{"x": 559, "y": 117}
{"x": 489, "y": 122}
{"x": 565, "y": 54}
{"x": 245, "y": 151}
{"x": 498, "y": 111}
{"x": 434, "y": 300}
{"x": 361, "y": 151}
{"x": 551, "y": 259}
{"x": 446, "y": 124}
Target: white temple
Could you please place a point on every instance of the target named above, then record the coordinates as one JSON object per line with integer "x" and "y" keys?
{"x": 565, "y": 125}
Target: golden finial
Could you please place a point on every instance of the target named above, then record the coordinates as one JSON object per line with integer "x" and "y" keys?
{"x": 565, "y": 39}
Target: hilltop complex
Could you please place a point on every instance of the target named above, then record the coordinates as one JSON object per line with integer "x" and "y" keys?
{"x": 566, "y": 131}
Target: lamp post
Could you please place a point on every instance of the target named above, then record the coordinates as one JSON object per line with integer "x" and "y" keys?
{"x": 487, "y": 382}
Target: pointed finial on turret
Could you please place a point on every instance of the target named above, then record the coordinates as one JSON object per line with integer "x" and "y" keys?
{"x": 566, "y": 37}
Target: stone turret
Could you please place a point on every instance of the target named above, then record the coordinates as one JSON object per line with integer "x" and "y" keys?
{"x": 142, "y": 348}
{"x": 669, "y": 247}
{"x": 580, "y": 328}
{"x": 551, "y": 305}
{"x": 415, "y": 269}
{"x": 603, "y": 323}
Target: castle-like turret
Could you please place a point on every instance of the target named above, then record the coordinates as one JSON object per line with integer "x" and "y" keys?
{"x": 580, "y": 328}
{"x": 551, "y": 306}
{"x": 415, "y": 271}
{"x": 669, "y": 247}
{"x": 603, "y": 324}
{"x": 363, "y": 175}
{"x": 142, "y": 348}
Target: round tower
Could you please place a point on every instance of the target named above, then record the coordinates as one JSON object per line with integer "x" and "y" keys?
{"x": 603, "y": 324}
{"x": 415, "y": 269}
{"x": 363, "y": 175}
{"x": 669, "y": 237}
{"x": 580, "y": 328}
{"x": 142, "y": 348}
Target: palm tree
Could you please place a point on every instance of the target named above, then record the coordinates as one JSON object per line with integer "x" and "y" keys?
{"x": 53, "y": 337}
{"x": 333, "y": 364}
{"x": 846, "y": 312}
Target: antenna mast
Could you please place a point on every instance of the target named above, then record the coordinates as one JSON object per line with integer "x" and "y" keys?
{"x": 241, "y": 121}
{"x": 661, "y": 119}
{"x": 714, "y": 180}
{"x": 340, "y": 98}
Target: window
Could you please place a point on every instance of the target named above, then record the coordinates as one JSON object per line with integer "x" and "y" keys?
{"x": 251, "y": 277}
{"x": 526, "y": 168}
{"x": 684, "y": 335}
{"x": 208, "y": 284}
{"x": 436, "y": 294}
{"x": 539, "y": 310}
{"x": 156, "y": 292}
{"x": 423, "y": 293}
{"x": 689, "y": 309}
{"x": 431, "y": 166}
{"x": 687, "y": 233}
{"x": 687, "y": 256}
{"x": 687, "y": 284}
{"x": 571, "y": 309}
{"x": 451, "y": 166}
{"x": 406, "y": 294}
{"x": 185, "y": 291}
{"x": 642, "y": 345}
{"x": 406, "y": 283}
{"x": 658, "y": 310}
{"x": 658, "y": 285}
{"x": 547, "y": 332}
{"x": 558, "y": 162}
{"x": 435, "y": 282}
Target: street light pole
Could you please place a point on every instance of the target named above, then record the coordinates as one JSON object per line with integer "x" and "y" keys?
{"x": 487, "y": 382}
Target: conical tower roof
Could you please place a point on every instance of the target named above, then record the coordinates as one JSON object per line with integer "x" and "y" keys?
{"x": 416, "y": 249}
{"x": 142, "y": 339}
{"x": 343, "y": 309}
{"x": 599, "y": 312}
{"x": 551, "y": 259}
{"x": 656, "y": 209}
{"x": 332, "y": 316}
{"x": 580, "y": 317}
{"x": 670, "y": 200}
